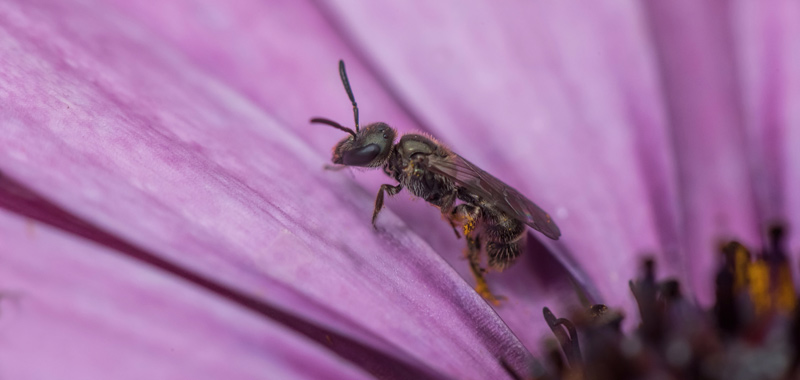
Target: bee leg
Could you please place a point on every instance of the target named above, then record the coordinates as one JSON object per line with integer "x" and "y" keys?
{"x": 455, "y": 227}
{"x": 392, "y": 190}
{"x": 473, "y": 254}
{"x": 466, "y": 215}
{"x": 334, "y": 168}
{"x": 448, "y": 211}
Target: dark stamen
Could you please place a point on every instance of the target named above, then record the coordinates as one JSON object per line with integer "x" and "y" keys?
{"x": 569, "y": 344}
{"x": 645, "y": 291}
{"x": 670, "y": 290}
{"x": 725, "y": 309}
{"x": 776, "y": 240}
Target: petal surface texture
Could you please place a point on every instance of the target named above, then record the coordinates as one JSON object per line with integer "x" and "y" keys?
{"x": 73, "y": 310}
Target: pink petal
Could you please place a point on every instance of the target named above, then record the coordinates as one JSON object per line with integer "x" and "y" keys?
{"x": 703, "y": 100}
{"x": 768, "y": 68}
{"x": 108, "y": 122}
{"x": 72, "y": 309}
{"x": 635, "y": 126}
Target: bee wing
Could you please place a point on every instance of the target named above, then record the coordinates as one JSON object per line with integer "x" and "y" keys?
{"x": 487, "y": 187}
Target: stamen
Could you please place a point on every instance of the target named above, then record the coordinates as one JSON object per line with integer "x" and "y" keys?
{"x": 785, "y": 296}
{"x": 646, "y": 291}
{"x": 766, "y": 279}
{"x": 759, "y": 276}
{"x": 569, "y": 343}
{"x": 725, "y": 310}
{"x": 751, "y": 336}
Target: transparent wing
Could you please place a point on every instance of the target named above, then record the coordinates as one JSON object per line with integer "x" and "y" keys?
{"x": 489, "y": 188}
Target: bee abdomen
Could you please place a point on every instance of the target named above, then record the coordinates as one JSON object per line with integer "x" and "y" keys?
{"x": 502, "y": 255}
{"x": 504, "y": 237}
{"x": 503, "y": 229}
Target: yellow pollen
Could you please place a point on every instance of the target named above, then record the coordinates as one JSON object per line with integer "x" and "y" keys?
{"x": 469, "y": 226}
{"x": 768, "y": 284}
{"x": 771, "y": 288}
{"x": 758, "y": 273}
{"x": 741, "y": 261}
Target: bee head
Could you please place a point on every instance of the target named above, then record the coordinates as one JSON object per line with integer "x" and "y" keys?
{"x": 370, "y": 147}
{"x": 367, "y": 147}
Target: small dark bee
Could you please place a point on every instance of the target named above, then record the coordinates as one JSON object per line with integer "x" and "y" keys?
{"x": 490, "y": 213}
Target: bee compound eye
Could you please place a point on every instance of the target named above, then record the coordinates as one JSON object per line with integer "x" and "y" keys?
{"x": 361, "y": 156}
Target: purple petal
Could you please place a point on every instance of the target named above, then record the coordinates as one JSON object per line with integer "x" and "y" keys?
{"x": 695, "y": 53}
{"x": 72, "y": 309}
{"x": 630, "y": 124}
{"x": 140, "y": 143}
{"x": 768, "y": 65}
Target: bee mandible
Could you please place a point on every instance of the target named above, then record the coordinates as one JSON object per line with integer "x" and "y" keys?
{"x": 491, "y": 214}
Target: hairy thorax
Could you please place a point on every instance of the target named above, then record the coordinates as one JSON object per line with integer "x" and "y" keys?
{"x": 408, "y": 165}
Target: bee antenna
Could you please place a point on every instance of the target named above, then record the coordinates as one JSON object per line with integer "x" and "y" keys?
{"x": 346, "y": 83}
{"x": 320, "y": 120}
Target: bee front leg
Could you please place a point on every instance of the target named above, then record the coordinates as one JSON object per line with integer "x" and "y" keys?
{"x": 334, "y": 168}
{"x": 448, "y": 210}
{"x": 392, "y": 190}
{"x": 455, "y": 227}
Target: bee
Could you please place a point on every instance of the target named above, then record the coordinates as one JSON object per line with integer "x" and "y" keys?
{"x": 491, "y": 214}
